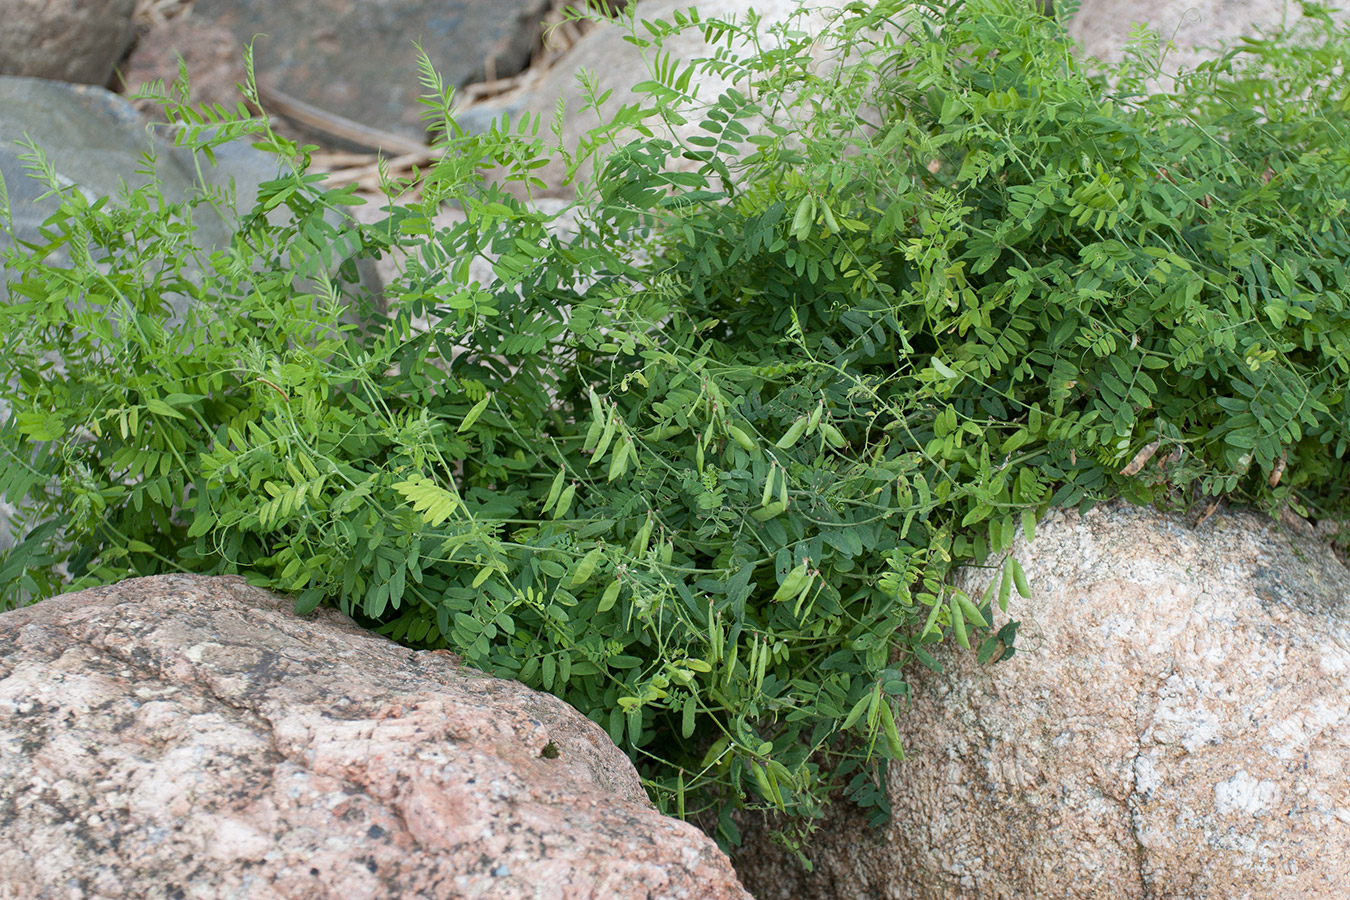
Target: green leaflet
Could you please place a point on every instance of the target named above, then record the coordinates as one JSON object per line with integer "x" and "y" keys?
{"x": 748, "y": 416}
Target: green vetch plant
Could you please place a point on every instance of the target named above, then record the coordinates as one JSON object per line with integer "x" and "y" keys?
{"x": 704, "y": 468}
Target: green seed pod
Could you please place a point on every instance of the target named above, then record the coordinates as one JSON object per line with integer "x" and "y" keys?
{"x": 606, "y": 436}
{"x": 972, "y": 612}
{"x": 793, "y": 434}
{"x": 747, "y": 443}
{"x": 1019, "y": 578}
{"x": 565, "y": 501}
{"x": 958, "y": 624}
{"x": 619, "y": 464}
{"x": 473, "y": 414}
{"x": 766, "y": 513}
{"x": 892, "y": 733}
{"x": 792, "y": 584}
{"x": 830, "y": 221}
{"x": 586, "y": 568}
{"x": 931, "y": 621}
{"x": 609, "y": 597}
{"x": 639, "y": 545}
{"x": 687, "y": 716}
{"x": 1005, "y": 588}
{"x": 554, "y": 490}
{"x": 801, "y": 221}
{"x": 767, "y": 497}
{"x": 593, "y": 434}
{"x": 762, "y": 780}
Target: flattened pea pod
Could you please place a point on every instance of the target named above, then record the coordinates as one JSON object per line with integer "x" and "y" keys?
{"x": 593, "y": 434}
{"x": 606, "y": 436}
{"x": 830, "y": 222}
{"x": 766, "y": 789}
{"x": 767, "y": 497}
{"x": 958, "y": 623}
{"x": 801, "y": 221}
{"x": 793, "y": 583}
{"x": 619, "y": 464}
{"x": 582, "y": 573}
{"x": 473, "y": 414}
{"x": 931, "y": 622}
{"x": 1005, "y": 588}
{"x": 643, "y": 536}
{"x": 609, "y": 597}
{"x": 565, "y": 501}
{"x": 814, "y": 419}
{"x": 793, "y": 434}
{"x": 739, "y": 436}
{"x": 1019, "y": 578}
{"x": 765, "y": 513}
{"x": 554, "y": 490}
{"x": 893, "y": 741}
{"x": 972, "y": 612}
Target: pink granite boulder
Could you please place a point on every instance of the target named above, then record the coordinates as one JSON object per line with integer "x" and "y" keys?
{"x": 188, "y": 737}
{"x": 1176, "y": 724}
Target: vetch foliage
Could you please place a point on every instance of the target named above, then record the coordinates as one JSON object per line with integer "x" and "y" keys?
{"x": 703, "y": 470}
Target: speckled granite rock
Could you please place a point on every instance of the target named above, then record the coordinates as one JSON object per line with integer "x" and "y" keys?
{"x": 1176, "y": 724}
{"x": 185, "y": 737}
{"x": 67, "y": 40}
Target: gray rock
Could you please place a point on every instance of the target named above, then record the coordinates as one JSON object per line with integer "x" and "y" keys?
{"x": 188, "y": 736}
{"x": 65, "y": 40}
{"x": 356, "y": 59}
{"x": 95, "y": 139}
{"x": 1176, "y": 723}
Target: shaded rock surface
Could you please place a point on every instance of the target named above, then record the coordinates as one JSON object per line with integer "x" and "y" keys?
{"x": 191, "y": 735}
{"x": 65, "y": 40}
{"x": 357, "y": 59}
{"x": 1177, "y": 724}
{"x": 214, "y": 58}
{"x": 95, "y": 139}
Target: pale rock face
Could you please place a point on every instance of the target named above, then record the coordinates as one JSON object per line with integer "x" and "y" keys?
{"x": 188, "y": 737}
{"x": 1176, "y": 723}
{"x": 615, "y": 65}
{"x": 1194, "y": 28}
